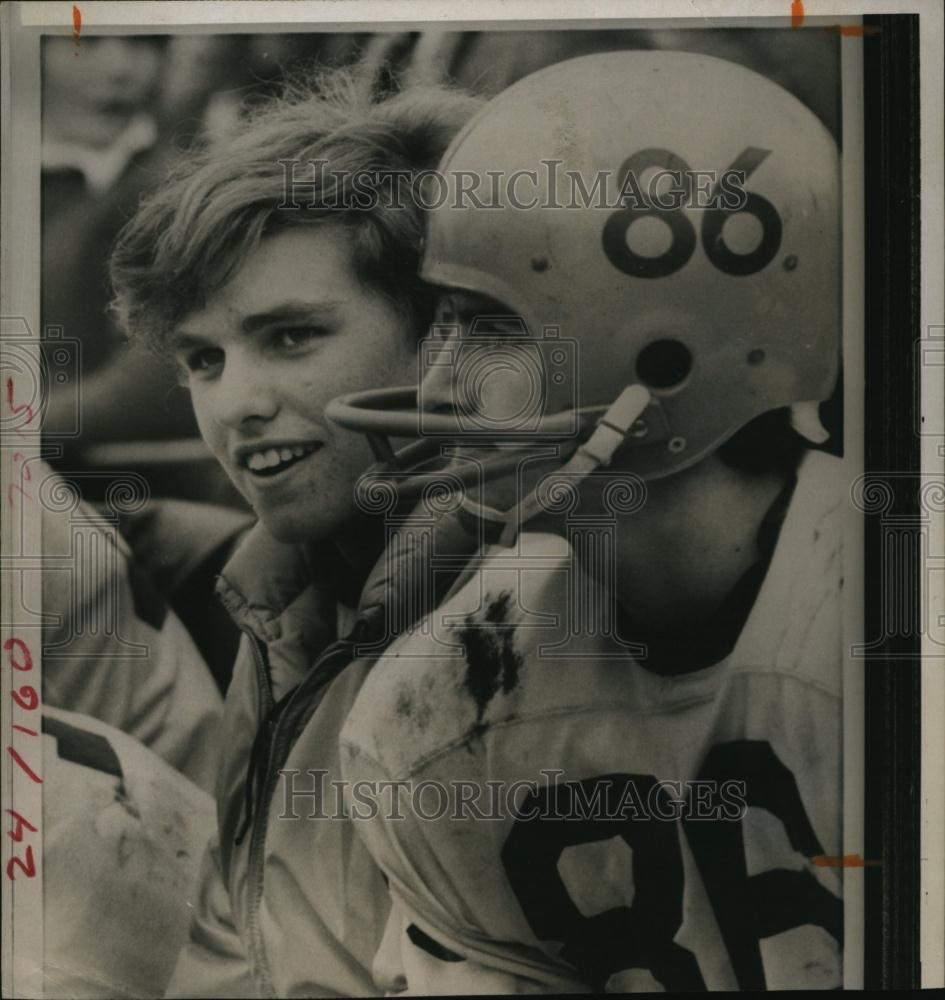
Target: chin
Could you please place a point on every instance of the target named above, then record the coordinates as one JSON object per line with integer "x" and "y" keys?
{"x": 300, "y": 527}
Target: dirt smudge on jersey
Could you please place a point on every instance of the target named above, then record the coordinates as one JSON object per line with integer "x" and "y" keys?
{"x": 124, "y": 800}
{"x": 492, "y": 661}
{"x": 410, "y": 707}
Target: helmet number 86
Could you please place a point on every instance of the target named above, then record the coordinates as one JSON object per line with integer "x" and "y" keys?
{"x": 614, "y": 237}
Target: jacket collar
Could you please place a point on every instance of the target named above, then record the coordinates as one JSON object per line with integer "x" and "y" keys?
{"x": 262, "y": 579}
{"x": 265, "y": 578}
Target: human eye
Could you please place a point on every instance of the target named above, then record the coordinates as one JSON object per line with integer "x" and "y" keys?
{"x": 292, "y": 337}
{"x": 202, "y": 361}
{"x": 496, "y": 326}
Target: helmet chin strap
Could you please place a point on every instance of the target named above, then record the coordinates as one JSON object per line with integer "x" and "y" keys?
{"x": 805, "y": 419}
{"x": 598, "y": 450}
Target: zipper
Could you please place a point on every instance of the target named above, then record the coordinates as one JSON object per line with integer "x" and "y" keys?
{"x": 263, "y": 680}
{"x": 280, "y": 736}
{"x": 254, "y": 869}
{"x": 269, "y": 710}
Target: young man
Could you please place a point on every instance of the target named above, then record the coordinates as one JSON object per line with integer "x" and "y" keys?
{"x": 617, "y": 740}
{"x": 280, "y": 268}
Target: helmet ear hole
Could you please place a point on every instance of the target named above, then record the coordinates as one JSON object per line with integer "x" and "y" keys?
{"x": 664, "y": 364}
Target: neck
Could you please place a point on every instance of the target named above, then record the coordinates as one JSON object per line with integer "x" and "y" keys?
{"x": 689, "y": 575}
{"x": 349, "y": 555}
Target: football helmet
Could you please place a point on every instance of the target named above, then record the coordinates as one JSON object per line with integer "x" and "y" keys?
{"x": 675, "y": 217}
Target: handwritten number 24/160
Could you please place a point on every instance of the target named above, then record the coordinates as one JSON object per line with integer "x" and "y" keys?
{"x": 614, "y": 236}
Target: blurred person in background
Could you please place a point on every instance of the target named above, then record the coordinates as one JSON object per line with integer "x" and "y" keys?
{"x": 102, "y": 148}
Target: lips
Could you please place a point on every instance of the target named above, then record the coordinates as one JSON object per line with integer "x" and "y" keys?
{"x": 272, "y": 460}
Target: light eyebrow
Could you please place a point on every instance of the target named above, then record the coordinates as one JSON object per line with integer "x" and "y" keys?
{"x": 293, "y": 311}
{"x": 183, "y": 341}
{"x": 288, "y": 311}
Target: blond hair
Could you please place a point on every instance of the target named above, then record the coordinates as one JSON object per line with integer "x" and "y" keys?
{"x": 196, "y": 229}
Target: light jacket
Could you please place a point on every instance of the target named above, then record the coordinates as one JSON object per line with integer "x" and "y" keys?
{"x": 290, "y": 902}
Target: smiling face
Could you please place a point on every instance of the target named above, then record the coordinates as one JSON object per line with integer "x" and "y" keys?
{"x": 290, "y": 330}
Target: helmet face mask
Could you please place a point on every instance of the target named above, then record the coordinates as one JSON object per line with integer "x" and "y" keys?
{"x": 721, "y": 304}
{"x": 495, "y": 378}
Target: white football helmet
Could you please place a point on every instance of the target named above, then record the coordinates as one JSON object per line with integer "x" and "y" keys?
{"x": 698, "y": 289}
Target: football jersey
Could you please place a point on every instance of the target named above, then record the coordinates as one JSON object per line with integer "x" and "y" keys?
{"x": 566, "y": 819}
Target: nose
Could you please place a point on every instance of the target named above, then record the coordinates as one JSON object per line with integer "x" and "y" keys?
{"x": 438, "y": 361}
{"x": 246, "y": 392}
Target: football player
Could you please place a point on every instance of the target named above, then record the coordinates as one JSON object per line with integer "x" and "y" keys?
{"x": 618, "y": 736}
{"x": 279, "y": 270}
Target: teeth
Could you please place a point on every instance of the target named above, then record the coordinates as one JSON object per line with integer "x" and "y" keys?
{"x": 271, "y": 457}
